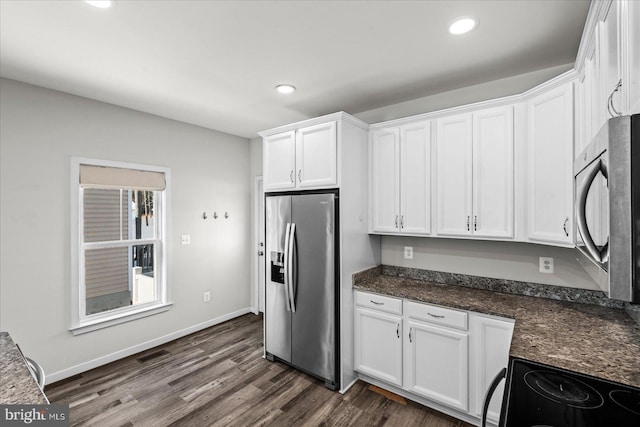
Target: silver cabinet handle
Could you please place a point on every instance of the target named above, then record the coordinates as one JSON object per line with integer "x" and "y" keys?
{"x": 401, "y": 221}
{"x": 299, "y": 177}
{"x": 291, "y": 176}
{"x": 475, "y": 223}
{"x": 610, "y": 107}
{"x": 410, "y": 329}
{"x": 260, "y": 253}
{"x": 398, "y": 330}
{"x": 376, "y": 302}
{"x": 437, "y": 316}
{"x": 396, "y": 222}
{"x": 468, "y": 219}
{"x": 564, "y": 226}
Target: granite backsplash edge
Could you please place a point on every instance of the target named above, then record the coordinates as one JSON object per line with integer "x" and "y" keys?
{"x": 559, "y": 293}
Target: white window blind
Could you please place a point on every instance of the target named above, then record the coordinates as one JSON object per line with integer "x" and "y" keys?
{"x": 116, "y": 178}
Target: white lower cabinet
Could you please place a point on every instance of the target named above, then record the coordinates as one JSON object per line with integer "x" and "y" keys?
{"x": 378, "y": 337}
{"x": 488, "y": 353}
{"x": 436, "y": 361}
{"x": 378, "y": 345}
{"x": 437, "y": 356}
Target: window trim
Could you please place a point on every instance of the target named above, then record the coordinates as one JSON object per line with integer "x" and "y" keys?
{"x": 81, "y": 323}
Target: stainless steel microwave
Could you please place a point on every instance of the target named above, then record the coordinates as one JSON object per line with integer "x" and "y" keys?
{"x": 607, "y": 208}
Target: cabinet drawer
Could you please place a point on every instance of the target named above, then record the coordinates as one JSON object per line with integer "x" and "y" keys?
{"x": 379, "y": 302}
{"x": 438, "y": 315}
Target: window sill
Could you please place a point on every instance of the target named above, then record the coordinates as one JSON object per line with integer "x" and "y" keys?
{"x": 116, "y": 319}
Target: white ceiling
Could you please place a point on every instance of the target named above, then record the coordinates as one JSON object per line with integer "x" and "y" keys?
{"x": 215, "y": 63}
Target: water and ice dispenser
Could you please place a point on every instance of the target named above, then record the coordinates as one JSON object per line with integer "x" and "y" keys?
{"x": 277, "y": 267}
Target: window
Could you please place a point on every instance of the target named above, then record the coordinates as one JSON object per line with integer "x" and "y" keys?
{"x": 118, "y": 224}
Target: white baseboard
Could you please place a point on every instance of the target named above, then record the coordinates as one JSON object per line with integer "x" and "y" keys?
{"x": 108, "y": 358}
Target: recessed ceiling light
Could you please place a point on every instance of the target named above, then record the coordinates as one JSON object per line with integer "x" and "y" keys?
{"x": 462, "y": 25}
{"x": 102, "y": 4}
{"x": 285, "y": 88}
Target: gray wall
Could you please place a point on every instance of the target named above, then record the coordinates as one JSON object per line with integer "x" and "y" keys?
{"x": 40, "y": 130}
{"x": 502, "y": 260}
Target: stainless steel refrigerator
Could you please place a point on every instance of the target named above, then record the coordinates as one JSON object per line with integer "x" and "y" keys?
{"x": 301, "y": 315}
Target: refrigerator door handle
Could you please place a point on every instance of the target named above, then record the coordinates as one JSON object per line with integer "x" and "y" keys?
{"x": 287, "y": 265}
{"x": 291, "y": 284}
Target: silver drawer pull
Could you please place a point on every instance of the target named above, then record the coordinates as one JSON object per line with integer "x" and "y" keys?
{"x": 377, "y": 303}
{"x": 436, "y": 316}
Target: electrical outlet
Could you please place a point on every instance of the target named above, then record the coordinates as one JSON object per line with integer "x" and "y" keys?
{"x": 186, "y": 239}
{"x": 546, "y": 265}
{"x": 408, "y": 252}
{"x": 206, "y": 297}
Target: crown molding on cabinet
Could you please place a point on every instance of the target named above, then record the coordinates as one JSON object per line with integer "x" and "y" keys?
{"x": 339, "y": 116}
{"x": 490, "y": 103}
{"x": 597, "y": 11}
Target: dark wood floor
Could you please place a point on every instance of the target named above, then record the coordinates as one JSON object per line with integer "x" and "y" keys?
{"x": 218, "y": 377}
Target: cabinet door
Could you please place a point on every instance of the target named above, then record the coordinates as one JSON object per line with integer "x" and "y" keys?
{"x": 436, "y": 364}
{"x": 581, "y": 125}
{"x": 550, "y": 167}
{"x": 493, "y": 173}
{"x": 594, "y": 114}
{"x": 385, "y": 178}
{"x": 316, "y": 156}
{"x": 610, "y": 67}
{"x": 378, "y": 345}
{"x": 415, "y": 181}
{"x": 279, "y": 161}
{"x": 453, "y": 175}
{"x": 491, "y": 339}
{"x": 631, "y": 56}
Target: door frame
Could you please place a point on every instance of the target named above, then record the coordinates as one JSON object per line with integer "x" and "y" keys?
{"x": 257, "y": 214}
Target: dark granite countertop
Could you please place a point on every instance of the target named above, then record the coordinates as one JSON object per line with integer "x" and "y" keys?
{"x": 17, "y": 385}
{"x": 599, "y": 341}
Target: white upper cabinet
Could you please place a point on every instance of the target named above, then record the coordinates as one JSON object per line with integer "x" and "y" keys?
{"x": 630, "y": 19}
{"x": 316, "y": 156}
{"x": 609, "y": 38}
{"x": 493, "y": 173}
{"x": 279, "y": 161}
{"x": 415, "y": 181}
{"x": 474, "y": 174}
{"x": 454, "y": 175}
{"x": 301, "y": 159}
{"x": 587, "y": 103}
{"x": 609, "y": 84}
{"x": 385, "y": 176}
{"x": 550, "y": 167}
{"x": 401, "y": 179}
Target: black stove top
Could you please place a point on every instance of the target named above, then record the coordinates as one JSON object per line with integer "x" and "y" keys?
{"x": 542, "y": 395}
